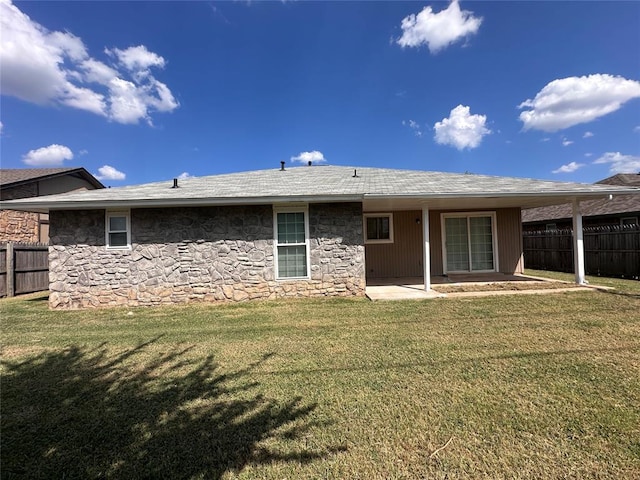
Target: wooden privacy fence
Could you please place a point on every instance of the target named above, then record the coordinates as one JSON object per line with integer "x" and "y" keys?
{"x": 609, "y": 251}
{"x": 24, "y": 268}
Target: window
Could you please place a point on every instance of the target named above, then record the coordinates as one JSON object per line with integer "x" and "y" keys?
{"x": 550, "y": 227}
{"x": 378, "y": 228}
{"x": 118, "y": 230}
{"x": 628, "y": 220}
{"x": 292, "y": 243}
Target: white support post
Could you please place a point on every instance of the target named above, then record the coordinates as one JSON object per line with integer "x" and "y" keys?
{"x": 426, "y": 252}
{"x": 578, "y": 244}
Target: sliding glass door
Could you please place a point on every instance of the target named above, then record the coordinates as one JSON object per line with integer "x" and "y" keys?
{"x": 469, "y": 243}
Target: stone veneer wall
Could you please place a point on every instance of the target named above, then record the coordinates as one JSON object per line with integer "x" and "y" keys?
{"x": 18, "y": 226}
{"x": 207, "y": 254}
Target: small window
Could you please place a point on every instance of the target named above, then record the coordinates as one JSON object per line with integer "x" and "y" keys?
{"x": 118, "y": 230}
{"x": 628, "y": 220}
{"x": 550, "y": 226}
{"x": 378, "y": 228}
{"x": 291, "y": 238}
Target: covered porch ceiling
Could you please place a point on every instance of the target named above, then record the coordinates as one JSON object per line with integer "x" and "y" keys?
{"x": 395, "y": 203}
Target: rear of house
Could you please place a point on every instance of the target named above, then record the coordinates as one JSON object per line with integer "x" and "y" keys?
{"x": 305, "y": 231}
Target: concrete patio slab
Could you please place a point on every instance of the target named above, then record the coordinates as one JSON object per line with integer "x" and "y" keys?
{"x": 400, "y": 292}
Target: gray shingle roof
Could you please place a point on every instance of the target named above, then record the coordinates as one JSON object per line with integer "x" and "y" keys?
{"x": 319, "y": 183}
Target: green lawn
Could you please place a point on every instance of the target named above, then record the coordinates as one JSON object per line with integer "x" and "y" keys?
{"x": 533, "y": 386}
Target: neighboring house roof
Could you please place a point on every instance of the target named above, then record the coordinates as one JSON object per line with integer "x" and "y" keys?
{"x": 325, "y": 184}
{"x": 617, "y": 205}
{"x": 623, "y": 179}
{"x": 12, "y": 177}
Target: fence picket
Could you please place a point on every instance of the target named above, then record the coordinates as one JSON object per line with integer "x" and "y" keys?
{"x": 610, "y": 250}
{"x": 24, "y": 268}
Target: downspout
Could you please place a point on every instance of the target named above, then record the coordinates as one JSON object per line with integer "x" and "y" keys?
{"x": 578, "y": 243}
{"x": 426, "y": 249}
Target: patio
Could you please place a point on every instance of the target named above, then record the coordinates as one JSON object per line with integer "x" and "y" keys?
{"x": 463, "y": 285}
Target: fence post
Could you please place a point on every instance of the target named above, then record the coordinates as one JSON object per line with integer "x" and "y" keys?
{"x": 11, "y": 270}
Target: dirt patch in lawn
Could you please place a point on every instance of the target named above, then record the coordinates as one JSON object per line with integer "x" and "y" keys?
{"x": 500, "y": 287}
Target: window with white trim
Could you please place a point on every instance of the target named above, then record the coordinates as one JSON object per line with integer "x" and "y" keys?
{"x": 118, "y": 230}
{"x": 628, "y": 220}
{"x": 378, "y": 228}
{"x": 291, "y": 242}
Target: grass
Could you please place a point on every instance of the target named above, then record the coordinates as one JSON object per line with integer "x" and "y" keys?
{"x": 621, "y": 285}
{"x": 544, "y": 386}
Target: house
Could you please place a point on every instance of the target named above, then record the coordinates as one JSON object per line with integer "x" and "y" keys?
{"x": 22, "y": 226}
{"x": 303, "y": 231}
{"x": 620, "y": 210}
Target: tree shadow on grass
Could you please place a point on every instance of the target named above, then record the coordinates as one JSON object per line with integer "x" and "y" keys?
{"x": 83, "y": 413}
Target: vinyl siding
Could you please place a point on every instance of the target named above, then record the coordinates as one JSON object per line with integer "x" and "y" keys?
{"x": 403, "y": 257}
{"x": 509, "y": 240}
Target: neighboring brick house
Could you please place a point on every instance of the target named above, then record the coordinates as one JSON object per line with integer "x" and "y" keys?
{"x": 20, "y": 226}
{"x": 620, "y": 210}
{"x": 295, "y": 232}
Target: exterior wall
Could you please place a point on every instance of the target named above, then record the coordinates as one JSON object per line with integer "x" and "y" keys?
{"x": 435, "y": 241}
{"x": 510, "y": 248}
{"x": 403, "y": 257}
{"x": 200, "y": 254}
{"x": 32, "y": 227}
{"x": 63, "y": 184}
{"x": 18, "y": 226}
{"x": 21, "y": 191}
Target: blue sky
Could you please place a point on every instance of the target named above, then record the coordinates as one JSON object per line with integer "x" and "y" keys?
{"x": 144, "y": 91}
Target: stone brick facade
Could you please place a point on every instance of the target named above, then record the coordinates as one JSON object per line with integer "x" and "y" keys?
{"x": 201, "y": 254}
{"x": 18, "y": 226}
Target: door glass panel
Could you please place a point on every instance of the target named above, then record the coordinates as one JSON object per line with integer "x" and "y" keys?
{"x": 481, "y": 243}
{"x": 457, "y": 239}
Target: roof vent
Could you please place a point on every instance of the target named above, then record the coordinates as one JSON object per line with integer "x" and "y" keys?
{"x": 355, "y": 173}
{"x": 282, "y": 165}
{"x": 175, "y": 183}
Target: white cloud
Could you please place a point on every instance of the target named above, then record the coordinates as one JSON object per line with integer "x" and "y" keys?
{"x": 545, "y": 139}
{"x": 306, "y": 157}
{"x": 55, "y": 68}
{"x": 637, "y": 129}
{"x": 588, "y": 154}
{"x": 620, "y": 163}
{"x": 438, "y": 30}
{"x": 137, "y": 59}
{"x": 83, "y": 152}
{"x": 461, "y": 130}
{"x": 107, "y": 172}
{"x": 568, "y": 168}
{"x": 413, "y": 125}
{"x": 566, "y": 142}
{"x": 570, "y": 101}
{"x": 184, "y": 176}
{"x": 1, "y": 127}
{"x": 51, "y": 156}
{"x": 587, "y": 135}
